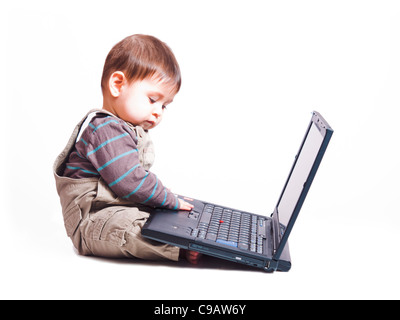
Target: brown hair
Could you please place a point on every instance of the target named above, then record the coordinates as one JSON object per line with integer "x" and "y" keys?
{"x": 142, "y": 56}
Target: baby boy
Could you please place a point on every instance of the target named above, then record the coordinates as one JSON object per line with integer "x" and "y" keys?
{"x": 102, "y": 175}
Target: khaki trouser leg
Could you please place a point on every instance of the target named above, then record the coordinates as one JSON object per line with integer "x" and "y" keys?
{"x": 115, "y": 232}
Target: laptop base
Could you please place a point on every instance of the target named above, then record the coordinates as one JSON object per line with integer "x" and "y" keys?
{"x": 178, "y": 235}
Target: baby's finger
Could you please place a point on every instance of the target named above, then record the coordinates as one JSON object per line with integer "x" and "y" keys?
{"x": 183, "y": 205}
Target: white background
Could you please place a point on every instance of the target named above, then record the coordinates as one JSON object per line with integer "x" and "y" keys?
{"x": 253, "y": 71}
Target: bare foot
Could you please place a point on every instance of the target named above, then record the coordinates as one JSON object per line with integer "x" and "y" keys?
{"x": 192, "y": 256}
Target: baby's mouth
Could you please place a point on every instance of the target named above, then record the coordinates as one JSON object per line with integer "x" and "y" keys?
{"x": 151, "y": 123}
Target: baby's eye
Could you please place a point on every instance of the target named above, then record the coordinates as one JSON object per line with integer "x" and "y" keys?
{"x": 152, "y": 100}
{"x": 164, "y": 107}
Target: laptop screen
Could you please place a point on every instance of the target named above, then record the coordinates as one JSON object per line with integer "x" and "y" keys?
{"x": 302, "y": 174}
{"x": 299, "y": 175}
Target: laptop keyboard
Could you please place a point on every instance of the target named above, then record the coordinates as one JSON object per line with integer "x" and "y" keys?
{"x": 232, "y": 228}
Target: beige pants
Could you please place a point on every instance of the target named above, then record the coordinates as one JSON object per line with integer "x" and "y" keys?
{"x": 97, "y": 221}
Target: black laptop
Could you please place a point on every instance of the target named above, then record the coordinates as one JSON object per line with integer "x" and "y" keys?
{"x": 240, "y": 236}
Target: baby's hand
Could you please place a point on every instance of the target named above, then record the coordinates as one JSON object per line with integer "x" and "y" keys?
{"x": 183, "y": 205}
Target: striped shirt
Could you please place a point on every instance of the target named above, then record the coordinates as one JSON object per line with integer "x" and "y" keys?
{"x": 107, "y": 148}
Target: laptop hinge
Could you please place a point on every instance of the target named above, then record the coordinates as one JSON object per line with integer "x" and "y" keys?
{"x": 271, "y": 266}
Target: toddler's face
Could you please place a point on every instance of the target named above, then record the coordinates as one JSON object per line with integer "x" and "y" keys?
{"x": 143, "y": 102}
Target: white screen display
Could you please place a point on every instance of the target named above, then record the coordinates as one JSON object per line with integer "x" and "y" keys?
{"x": 300, "y": 174}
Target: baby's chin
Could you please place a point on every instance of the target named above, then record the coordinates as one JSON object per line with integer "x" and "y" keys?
{"x": 147, "y": 125}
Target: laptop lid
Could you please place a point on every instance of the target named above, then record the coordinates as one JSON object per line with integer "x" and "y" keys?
{"x": 299, "y": 181}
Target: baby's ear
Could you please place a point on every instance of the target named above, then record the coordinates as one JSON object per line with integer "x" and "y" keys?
{"x": 117, "y": 80}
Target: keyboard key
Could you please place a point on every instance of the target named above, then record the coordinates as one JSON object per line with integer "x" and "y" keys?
{"x": 205, "y": 217}
{"x": 222, "y": 233}
{"x": 213, "y": 228}
{"x": 195, "y": 232}
{"x": 233, "y": 239}
{"x": 243, "y": 246}
{"x": 222, "y": 237}
{"x": 211, "y": 236}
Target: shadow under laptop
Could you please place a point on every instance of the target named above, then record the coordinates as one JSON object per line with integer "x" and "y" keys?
{"x": 206, "y": 262}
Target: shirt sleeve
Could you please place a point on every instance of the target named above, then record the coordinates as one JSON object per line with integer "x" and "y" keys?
{"x": 111, "y": 147}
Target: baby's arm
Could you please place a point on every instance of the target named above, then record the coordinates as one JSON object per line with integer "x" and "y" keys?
{"x": 111, "y": 147}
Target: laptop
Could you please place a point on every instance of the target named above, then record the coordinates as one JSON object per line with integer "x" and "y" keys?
{"x": 239, "y": 236}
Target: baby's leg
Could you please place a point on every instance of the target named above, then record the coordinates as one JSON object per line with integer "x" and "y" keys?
{"x": 115, "y": 232}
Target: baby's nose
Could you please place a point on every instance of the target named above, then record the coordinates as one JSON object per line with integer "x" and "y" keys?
{"x": 157, "y": 111}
